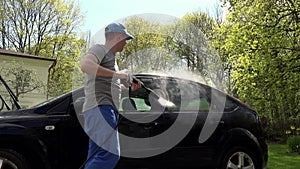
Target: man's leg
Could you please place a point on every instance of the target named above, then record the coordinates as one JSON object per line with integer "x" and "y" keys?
{"x": 101, "y": 126}
{"x": 102, "y": 159}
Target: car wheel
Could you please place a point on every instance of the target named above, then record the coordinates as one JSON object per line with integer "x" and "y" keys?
{"x": 239, "y": 158}
{"x": 10, "y": 159}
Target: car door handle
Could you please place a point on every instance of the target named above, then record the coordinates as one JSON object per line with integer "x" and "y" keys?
{"x": 49, "y": 127}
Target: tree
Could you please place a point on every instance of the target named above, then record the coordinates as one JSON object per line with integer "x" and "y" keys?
{"x": 261, "y": 39}
{"x": 190, "y": 38}
{"x": 184, "y": 45}
{"x": 45, "y": 28}
{"x": 22, "y": 80}
{"x": 146, "y": 52}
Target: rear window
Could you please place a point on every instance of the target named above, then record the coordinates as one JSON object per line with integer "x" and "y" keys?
{"x": 230, "y": 104}
{"x": 192, "y": 97}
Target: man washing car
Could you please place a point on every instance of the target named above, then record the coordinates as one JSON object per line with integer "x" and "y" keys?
{"x": 102, "y": 97}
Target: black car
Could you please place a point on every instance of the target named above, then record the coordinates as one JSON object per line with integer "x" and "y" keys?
{"x": 168, "y": 123}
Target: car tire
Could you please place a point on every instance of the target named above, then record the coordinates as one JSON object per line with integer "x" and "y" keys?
{"x": 239, "y": 157}
{"x": 10, "y": 159}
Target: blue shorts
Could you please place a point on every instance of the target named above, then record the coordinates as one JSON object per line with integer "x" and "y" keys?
{"x": 101, "y": 126}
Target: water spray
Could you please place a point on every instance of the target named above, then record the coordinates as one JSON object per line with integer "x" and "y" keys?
{"x": 162, "y": 101}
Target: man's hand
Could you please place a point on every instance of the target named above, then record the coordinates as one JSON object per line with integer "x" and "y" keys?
{"x": 123, "y": 74}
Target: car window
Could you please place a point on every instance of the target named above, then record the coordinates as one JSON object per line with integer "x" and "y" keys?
{"x": 60, "y": 108}
{"x": 191, "y": 96}
{"x": 134, "y": 104}
{"x": 142, "y": 99}
{"x": 196, "y": 104}
{"x": 141, "y": 104}
{"x": 230, "y": 105}
{"x": 186, "y": 95}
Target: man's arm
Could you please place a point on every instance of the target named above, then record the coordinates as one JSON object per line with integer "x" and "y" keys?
{"x": 89, "y": 66}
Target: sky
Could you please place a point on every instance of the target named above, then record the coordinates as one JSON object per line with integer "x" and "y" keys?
{"x": 100, "y": 13}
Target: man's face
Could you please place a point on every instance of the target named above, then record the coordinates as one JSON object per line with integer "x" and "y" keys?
{"x": 121, "y": 41}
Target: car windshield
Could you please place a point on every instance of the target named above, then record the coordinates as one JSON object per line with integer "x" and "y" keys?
{"x": 46, "y": 102}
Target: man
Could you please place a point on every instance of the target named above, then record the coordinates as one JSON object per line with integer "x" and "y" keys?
{"x": 102, "y": 97}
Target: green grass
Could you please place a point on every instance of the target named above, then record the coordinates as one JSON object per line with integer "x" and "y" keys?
{"x": 280, "y": 158}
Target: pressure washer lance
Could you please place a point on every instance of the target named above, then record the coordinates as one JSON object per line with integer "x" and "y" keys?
{"x": 162, "y": 101}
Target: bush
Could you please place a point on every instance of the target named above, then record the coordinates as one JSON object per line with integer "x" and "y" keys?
{"x": 294, "y": 143}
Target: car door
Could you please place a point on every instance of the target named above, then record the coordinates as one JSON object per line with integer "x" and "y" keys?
{"x": 183, "y": 124}
{"x": 135, "y": 123}
{"x": 71, "y": 143}
{"x": 168, "y": 135}
{"x": 74, "y": 141}
{"x": 173, "y": 132}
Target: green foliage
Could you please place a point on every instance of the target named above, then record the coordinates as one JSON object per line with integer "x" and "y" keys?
{"x": 293, "y": 143}
{"x": 202, "y": 21}
{"x": 261, "y": 41}
{"x": 147, "y": 51}
{"x": 293, "y": 131}
{"x": 196, "y": 31}
{"x": 66, "y": 74}
{"x": 182, "y": 46}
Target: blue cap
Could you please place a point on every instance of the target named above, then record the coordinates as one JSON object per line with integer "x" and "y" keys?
{"x": 117, "y": 27}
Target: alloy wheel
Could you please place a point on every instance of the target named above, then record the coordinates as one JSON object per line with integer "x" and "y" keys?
{"x": 240, "y": 160}
{"x": 7, "y": 164}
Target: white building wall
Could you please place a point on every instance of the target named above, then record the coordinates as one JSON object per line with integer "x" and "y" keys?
{"x": 40, "y": 66}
